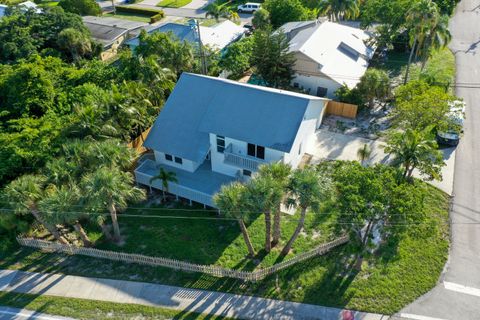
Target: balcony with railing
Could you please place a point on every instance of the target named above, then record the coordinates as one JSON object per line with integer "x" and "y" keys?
{"x": 198, "y": 186}
{"x": 242, "y": 161}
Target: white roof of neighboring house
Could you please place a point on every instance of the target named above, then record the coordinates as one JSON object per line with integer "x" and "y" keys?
{"x": 220, "y": 35}
{"x": 30, "y": 5}
{"x": 339, "y": 50}
{"x": 3, "y": 8}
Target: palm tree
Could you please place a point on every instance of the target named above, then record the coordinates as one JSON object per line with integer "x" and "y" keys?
{"x": 280, "y": 174}
{"x": 165, "y": 177}
{"x": 24, "y": 193}
{"x": 337, "y": 10}
{"x": 415, "y": 149}
{"x": 421, "y": 18}
{"x": 217, "y": 11}
{"x": 438, "y": 37}
{"x": 308, "y": 187}
{"x": 231, "y": 200}
{"x": 111, "y": 188}
{"x": 61, "y": 206}
{"x": 364, "y": 153}
{"x": 263, "y": 195}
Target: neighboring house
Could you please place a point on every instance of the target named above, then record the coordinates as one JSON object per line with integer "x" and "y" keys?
{"x": 213, "y": 131}
{"x": 3, "y": 9}
{"x": 217, "y": 37}
{"x": 328, "y": 55}
{"x": 111, "y": 32}
{"x": 30, "y": 5}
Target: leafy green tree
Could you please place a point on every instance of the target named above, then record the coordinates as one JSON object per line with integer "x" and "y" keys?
{"x": 112, "y": 189}
{"x": 308, "y": 188}
{"x": 418, "y": 106}
{"x": 347, "y": 95}
{"x": 77, "y": 43}
{"x": 81, "y": 7}
{"x": 231, "y": 200}
{"x": 24, "y": 194}
{"x": 338, "y": 10}
{"x": 261, "y": 19}
{"x": 416, "y": 150}
{"x": 370, "y": 199}
{"x": 374, "y": 84}
{"x": 61, "y": 206}
{"x": 283, "y": 11}
{"x": 236, "y": 58}
{"x": 438, "y": 37}
{"x": 272, "y": 59}
{"x": 165, "y": 177}
{"x": 279, "y": 175}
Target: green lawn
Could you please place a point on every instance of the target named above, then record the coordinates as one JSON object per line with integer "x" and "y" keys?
{"x": 129, "y": 16}
{"x": 405, "y": 267}
{"x": 173, "y": 3}
{"x": 88, "y": 309}
{"x": 440, "y": 66}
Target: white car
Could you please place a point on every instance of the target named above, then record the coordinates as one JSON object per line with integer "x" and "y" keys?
{"x": 249, "y": 7}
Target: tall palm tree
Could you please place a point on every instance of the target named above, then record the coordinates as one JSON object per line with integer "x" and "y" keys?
{"x": 421, "y": 18}
{"x": 263, "y": 195}
{"x": 110, "y": 188}
{"x": 166, "y": 177}
{"x": 439, "y": 37}
{"x": 280, "y": 174}
{"x": 231, "y": 200}
{"x": 415, "y": 149}
{"x": 308, "y": 187}
{"x": 60, "y": 206}
{"x": 337, "y": 10}
{"x": 364, "y": 153}
{"x": 24, "y": 193}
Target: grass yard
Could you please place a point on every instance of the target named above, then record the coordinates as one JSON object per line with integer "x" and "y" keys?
{"x": 440, "y": 67}
{"x": 405, "y": 267}
{"x": 129, "y": 16}
{"x": 173, "y": 3}
{"x": 88, "y": 309}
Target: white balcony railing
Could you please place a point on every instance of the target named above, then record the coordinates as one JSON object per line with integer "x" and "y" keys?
{"x": 242, "y": 161}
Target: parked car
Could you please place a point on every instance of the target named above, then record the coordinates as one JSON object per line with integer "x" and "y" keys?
{"x": 451, "y": 137}
{"x": 249, "y": 7}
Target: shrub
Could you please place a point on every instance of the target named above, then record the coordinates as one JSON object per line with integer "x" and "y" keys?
{"x": 346, "y": 95}
{"x": 137, "y": 10}
{"x": 159, "y": 16}
{"x": 81, "y": 7}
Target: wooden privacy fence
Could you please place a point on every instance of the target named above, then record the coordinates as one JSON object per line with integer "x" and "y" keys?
{"x": 342, "y": 109}
{"x": 137, "y": 143}
{"x": 177, "y": 264}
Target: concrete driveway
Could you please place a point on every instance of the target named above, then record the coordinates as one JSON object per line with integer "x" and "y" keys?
{"x": 335, "y": 146}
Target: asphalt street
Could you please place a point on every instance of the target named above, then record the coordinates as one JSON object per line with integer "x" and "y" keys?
{"x": 457, "y": 296}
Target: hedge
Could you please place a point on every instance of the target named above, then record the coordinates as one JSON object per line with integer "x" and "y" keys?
{"x": 142, "y": 11}
{"x": 159, "y": 16}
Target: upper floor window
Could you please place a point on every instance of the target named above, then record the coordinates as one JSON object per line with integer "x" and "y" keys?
{"x": 220, "y": 144}
{"x": 178, "y": 160}
{"x": 256, "y": 151}
{"x": 168, "y": 157}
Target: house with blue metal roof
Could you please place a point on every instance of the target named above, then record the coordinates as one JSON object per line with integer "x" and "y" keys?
{"x": 213, "y": 131}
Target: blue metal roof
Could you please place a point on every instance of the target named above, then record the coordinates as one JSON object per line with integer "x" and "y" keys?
{"x": 200, "y": 105}
{"x": 182, "y": 32}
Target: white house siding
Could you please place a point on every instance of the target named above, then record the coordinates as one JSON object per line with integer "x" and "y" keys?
{"x": 239, "y": 147}
{"x": 310, "y": 83}
{"x": 306, "y": 133}
{"x": 186, "y": 165}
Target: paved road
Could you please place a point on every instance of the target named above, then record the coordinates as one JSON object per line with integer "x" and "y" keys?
{"x": 458, "y": 294}
{"x": 7, "y": 313}
{"x": 187, "y": 300}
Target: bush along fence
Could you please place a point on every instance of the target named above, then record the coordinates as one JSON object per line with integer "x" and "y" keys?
{"x": 216, "y": 271}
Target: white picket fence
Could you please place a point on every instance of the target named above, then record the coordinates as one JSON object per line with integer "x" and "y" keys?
{"x": 216, "y": 271}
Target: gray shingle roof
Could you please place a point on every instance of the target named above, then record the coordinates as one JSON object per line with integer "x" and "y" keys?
{"x": 200, "y": 105}
{"x": 182, "y": 32}
{"x": 105, "y": 34}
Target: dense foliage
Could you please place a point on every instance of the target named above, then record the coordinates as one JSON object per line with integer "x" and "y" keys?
{"x": 81, "y": 7}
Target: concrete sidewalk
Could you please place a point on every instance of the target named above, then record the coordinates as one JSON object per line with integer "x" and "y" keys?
{"x": 187, "y": 300}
